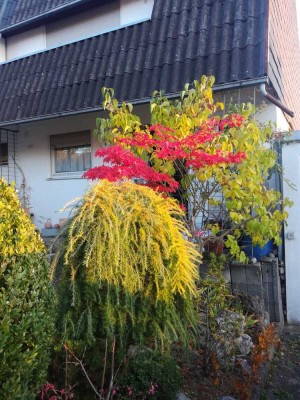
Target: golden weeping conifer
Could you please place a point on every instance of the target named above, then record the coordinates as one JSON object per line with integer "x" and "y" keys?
{"x": 130, "y": 265}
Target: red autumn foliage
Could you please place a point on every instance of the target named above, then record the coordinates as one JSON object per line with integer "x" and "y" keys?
{"x": 161, "y": 143}
{"x": 125, "y": 165}
{"x": 50, "y": 392}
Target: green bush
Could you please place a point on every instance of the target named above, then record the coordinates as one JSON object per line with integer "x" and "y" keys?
{"x": 153, "y": 375}
{"x": 26, "y": 325}
{"x": 126, "y": 270}
{"x": 124, "y": 275}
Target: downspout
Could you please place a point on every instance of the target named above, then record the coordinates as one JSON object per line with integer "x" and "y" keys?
{"x": 272, "y": 99}
{"x": 279, "y": 188}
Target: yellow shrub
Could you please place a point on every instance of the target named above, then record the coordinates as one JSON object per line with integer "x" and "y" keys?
{"x": 17, "y": 233}
{"x": 133, "y": 238}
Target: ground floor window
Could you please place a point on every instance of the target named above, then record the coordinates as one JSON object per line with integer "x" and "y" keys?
{"x": 70, "y": 153}
{"x": 8, "y": 156}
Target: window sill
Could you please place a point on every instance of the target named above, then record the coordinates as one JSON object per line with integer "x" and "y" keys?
{"x": 66, "y": 177}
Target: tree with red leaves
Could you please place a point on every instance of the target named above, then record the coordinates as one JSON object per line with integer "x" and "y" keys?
{"x": 215, "y": 164}
{"x": 161, "y": 143}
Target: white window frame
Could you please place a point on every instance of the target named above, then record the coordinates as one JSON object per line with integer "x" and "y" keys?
{"x": 77, "y": 139}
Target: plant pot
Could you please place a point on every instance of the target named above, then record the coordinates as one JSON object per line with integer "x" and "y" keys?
{"x": 48, "y": 224}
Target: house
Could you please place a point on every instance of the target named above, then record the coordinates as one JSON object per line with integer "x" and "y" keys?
{"x": 56, "y": 55}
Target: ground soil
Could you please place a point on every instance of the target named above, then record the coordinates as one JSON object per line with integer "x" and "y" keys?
{"x": 282, "y": 382}
{"x": 284, "y": 375}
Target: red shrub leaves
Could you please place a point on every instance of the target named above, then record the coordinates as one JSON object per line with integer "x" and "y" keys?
{"x": 161, "y": 143}
{"x": 124, "y": 165}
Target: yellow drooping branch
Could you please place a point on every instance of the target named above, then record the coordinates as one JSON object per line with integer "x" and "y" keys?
{"x": 133, "y": 238}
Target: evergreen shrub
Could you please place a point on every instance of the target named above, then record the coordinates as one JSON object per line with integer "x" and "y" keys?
{"x": 152, "y": 375}
{"x": 26, "y": 318}
{"x": 125, "y": 274}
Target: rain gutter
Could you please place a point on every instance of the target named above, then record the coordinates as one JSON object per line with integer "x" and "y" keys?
{"x": 38, "y": 18}
{"x": 216, "y": 88}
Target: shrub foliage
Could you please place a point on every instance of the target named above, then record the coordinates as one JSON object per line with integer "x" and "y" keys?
{"x": 25, "y": 302}
{"x": 126, "y": 268}
{"x": 152, "y": 375}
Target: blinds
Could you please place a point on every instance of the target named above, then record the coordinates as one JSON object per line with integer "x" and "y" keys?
{"x": 71, "y": 139}
{"x": 89, "y": 23}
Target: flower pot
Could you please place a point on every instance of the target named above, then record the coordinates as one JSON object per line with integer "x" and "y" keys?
{"x": 48, "y": 224}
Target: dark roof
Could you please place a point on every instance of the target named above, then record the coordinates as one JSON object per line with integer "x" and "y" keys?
{"x": 21, "y": 11}
{"x": 184, "y": 40}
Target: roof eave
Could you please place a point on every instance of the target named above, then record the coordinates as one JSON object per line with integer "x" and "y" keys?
{"x": 33, "y": 21}
{"x": 216, "y": 88}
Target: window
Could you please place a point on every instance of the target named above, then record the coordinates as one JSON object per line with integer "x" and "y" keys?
{"x": 95, "y": 20}
{"x": 70, "y": 154}
{"x": 25, "y": 43}
{"x": 8, "y": 155}
{"x": 4, "y": 153}
{"x": 92, "y": 22}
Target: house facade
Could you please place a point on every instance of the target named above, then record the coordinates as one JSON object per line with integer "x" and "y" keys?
{"x": 56, "y": 55}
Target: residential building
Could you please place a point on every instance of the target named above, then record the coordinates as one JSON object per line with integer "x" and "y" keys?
{"x": 56, "y": 55}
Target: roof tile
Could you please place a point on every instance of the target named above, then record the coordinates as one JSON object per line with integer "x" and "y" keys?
{"x": 184, "y": 40}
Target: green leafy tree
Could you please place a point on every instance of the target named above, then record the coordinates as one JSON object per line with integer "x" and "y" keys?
{"x": 26, "y": 298}
{"x": 224, "y": 180}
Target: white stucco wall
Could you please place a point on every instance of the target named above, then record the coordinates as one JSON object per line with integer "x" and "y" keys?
{"x": 47, "y": 195}
{"x": 2, "y": 49}
{"x": 132, "y": 11}
{"x": 270, "y": 112}
{"x": 291, "y": 169}
{"x": 25, "y": 43}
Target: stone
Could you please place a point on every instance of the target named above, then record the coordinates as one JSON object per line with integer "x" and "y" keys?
{"x": 251, "y": 305}
{"x": 244, "y": 366}
{"x": 244, "y": 343}
{"x": 266, "y": 319}
{"x": 224, "y": 352}
{"x": 231, "y": 327}
{"x": 266, "y": 259}
{"x": 230, "y": 323}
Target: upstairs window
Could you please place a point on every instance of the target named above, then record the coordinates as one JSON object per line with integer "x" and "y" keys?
{"x": 70, "y": 154}
{"x": 25, "y": 43}
{"x": 94, "y": 21}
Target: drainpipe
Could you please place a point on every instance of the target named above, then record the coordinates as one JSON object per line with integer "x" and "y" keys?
{"x": 275, "y": 101}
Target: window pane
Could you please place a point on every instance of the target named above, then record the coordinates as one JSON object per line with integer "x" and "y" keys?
{"x": 3, "y": 154}
{"x": 73, "y": 159}
{"x": 62, "y": 160}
